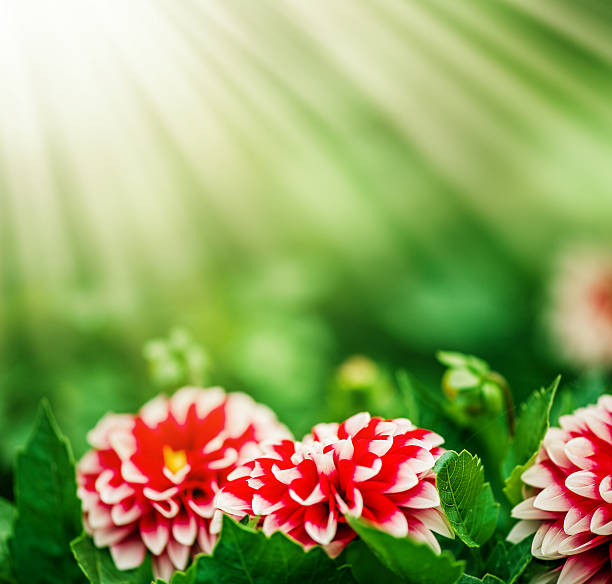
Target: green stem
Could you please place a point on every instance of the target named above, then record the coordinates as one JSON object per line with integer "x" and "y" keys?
{"x": 508, "y": 401}
{"x": 477, "y": 557}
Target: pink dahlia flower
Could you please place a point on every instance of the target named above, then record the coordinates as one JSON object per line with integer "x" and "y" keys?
{"x": 377, "y": 469}
{"x": 568, "y": 500}
{"x": 581, "y": 310}
{"x": 150, "y": 480}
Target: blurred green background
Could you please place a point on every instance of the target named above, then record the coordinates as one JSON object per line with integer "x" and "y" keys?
{"x": 292, "y": 183}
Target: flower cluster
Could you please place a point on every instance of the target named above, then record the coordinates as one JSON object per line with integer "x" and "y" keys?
{"x": 150, "y": 480}
{"x": 367, "y": 467}
{"x": 568, "y": 500}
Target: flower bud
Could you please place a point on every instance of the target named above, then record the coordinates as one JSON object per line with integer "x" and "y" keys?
{"x": 360, "y": 384}
{"x": 176, "y": 361}
{"x": 472, "y": 389}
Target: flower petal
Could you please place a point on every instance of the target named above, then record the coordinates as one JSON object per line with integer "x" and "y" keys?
{"x": 553, "y": 498}
{"x": 128, "y": 554}
{"x": 584, "y": 483}
{"x": 184, "y": 528}
{"x": 381, "y": 511}
{"x": 155, "y": 531}
{"x": 578, "y": 569}
{"x": 320, "y": 524}
{"x": 178, "y": 553}
{"x": 601, "y": 521}
{"x": 527, "y": 510}
{"x": 522, "y": 530}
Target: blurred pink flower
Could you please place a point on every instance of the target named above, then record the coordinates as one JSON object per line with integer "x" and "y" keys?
{"x": 581, "y": 311}
{"x": 377, "y": 469}
{"x": 151, "y": 479}
{"x": 568, "y": 500}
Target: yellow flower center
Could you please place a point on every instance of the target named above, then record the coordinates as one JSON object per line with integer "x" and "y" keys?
{"x": 174, "y": 460}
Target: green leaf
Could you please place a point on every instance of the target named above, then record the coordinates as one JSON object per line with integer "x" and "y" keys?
{"x": 97, "y": 564}
{"x": 466, "y": 499}
{"x": 246, "y": 556}
{"x": 48, "y": 510}
{"x": 409, "y": 395}
{"x": 7, "y": 517}
{"x": 469, "y": 579}
{"x": 366, "y": 567}
{"x": 513, "y": 488}
{"x": 488, "y": 579}
{"x": 531, "y": 426}
{"x": 414, "y": 562}
{"x": 509, "y": 561}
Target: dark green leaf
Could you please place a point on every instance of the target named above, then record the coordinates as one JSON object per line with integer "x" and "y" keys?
{"x": 531, "y": 426}
{"x": 468, "y": 579}
{"x": 466, "y": 499}
{"x": 366, "y": 567}
{"x": 97, "y": 564}
{"x": 513, "y": 488}
{"x": 246, "y": 556}
{"x": 488, "y": 579}
{"x": 7, "y": 517}
{"x": 509, "y": 561}
{"x": 48, "y": 510}
{"x": 414, "y": 562}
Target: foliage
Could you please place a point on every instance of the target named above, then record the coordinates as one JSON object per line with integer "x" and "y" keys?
{"x": 366, "y": 567}
{"x": 531, "y": 426}
{"x": 97, "y": 564}
{"x": 413, "y": 562}
{"x": 487, "y": 579}
{"x": 48, "y": 511}
{"x": 508, "y": 561}
{"x": 176, "y": 361}
{"x": 41, "y": 539}
{"x": 294, "y": 196}
{"x": 7, "y": 517}
{"x": 466, "y": 499}
{"x": 246, "y": 556}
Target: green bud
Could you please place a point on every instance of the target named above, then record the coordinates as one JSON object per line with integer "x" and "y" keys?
{"x": 360, "y": 384}
{"x": 357, "y": 373}
{"x": 176, "y": 361}
{"x": 493, "y": 397}
{"x": 473, "y": 390}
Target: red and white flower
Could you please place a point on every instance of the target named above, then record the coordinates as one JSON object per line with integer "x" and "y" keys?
{"x": 581, "y": 307}
{"x": 377, "y": 469}
{"x": 151, "y": 479}
{"x": 568, "y": 498}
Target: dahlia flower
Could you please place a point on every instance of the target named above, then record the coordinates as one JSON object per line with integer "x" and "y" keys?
{"x": 568, "y": 498}
{"x": 150, "y": 480}
{"x": 581, "y": 309}
{"x": 377, "y": 469}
